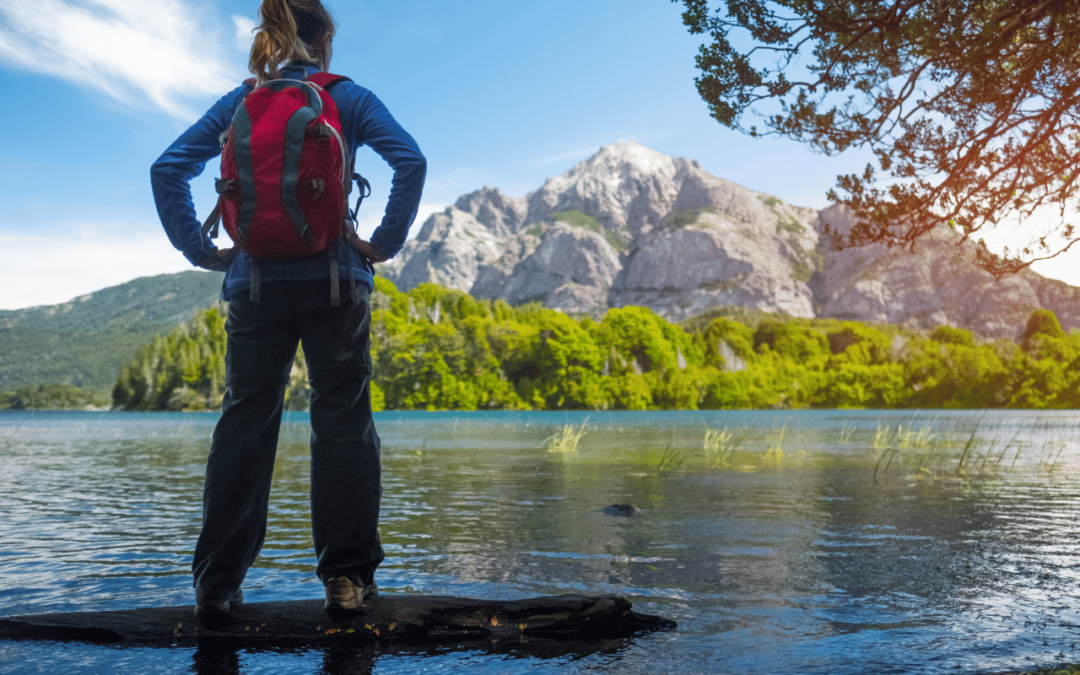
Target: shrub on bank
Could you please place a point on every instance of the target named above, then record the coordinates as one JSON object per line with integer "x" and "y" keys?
{"x": 436, "y": 348}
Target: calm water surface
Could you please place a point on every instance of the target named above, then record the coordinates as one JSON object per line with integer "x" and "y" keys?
{"x": 798, "y": 551}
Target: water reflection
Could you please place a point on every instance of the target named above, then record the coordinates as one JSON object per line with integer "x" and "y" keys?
{"x": 801, "y": 563}
{"x": 217, "y": 658}
{"x": 210, "y": 658}
{"x": 337, "y": 660}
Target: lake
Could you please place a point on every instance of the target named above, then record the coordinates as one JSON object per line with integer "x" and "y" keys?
{"x": 780, "y": 541}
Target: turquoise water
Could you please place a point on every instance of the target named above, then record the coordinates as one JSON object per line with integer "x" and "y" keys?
{"x": 798, "y": 551}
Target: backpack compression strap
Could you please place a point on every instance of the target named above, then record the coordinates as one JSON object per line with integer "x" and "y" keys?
{"x": 327, "y": 80}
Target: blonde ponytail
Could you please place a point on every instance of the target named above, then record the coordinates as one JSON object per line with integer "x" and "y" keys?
{"x": 290, "y": 30}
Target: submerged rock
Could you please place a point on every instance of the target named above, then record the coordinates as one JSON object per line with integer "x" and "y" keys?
{"x": 621, "y": 510}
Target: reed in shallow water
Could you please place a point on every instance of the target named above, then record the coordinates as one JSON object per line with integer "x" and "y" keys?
{"x": 975, "y": 457}
{"x": 567, "y": 438}
{"x": 672, "y": 458}
{"x": 719, "y": 447}
{"x": 774, "y": 447}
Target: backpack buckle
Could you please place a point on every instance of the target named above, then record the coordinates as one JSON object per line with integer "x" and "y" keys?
{"x": 322, "y": 132}
{"x": 315, "y": 185}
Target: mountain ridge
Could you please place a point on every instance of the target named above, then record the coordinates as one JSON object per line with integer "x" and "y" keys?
{"x": 676, "y": 240}
{"x": 631, "y": 226}
{"x": 85, "y": 341}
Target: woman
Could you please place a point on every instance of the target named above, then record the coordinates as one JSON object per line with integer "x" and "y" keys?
{"x": 295, "y": 37}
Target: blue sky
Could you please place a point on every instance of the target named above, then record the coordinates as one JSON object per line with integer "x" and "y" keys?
{"x": 497, "y": 94}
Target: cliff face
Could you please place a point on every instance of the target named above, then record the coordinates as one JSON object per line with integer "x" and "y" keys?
{"x": 935, "y": 284}
{"x": 630, "y": 226}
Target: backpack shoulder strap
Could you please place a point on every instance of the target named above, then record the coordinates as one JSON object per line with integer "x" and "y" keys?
{"x": 326, "y": 80}
{"x": 251, "y": 85}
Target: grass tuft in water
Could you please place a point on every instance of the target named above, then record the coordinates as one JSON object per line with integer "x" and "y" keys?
{"x": 903, "y": 439}
{"x": 774, "y": 447}
{"x": 719, "y": 447}
{"x": 846, "y": 432}
{"x": 1050, "y": 456}
{"x": 922, "y": 454}
{"x": 567, "y": 438}
{"x": 672, "y": 458}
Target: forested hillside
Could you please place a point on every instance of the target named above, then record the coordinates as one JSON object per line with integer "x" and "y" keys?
{"x": 440, "y": 349}
{"x": 85, "y": 341}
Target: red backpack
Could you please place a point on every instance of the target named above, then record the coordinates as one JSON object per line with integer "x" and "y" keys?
{"x": 286, "y": 175}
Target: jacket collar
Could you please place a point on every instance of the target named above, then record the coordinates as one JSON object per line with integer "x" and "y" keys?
{"x": 299, "y": 65}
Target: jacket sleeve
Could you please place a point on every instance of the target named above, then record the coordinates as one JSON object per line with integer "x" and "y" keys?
{"x": 185, "y": 159}
{"x": 366, "y": 121}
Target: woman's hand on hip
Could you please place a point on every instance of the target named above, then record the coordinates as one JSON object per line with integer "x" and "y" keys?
{"x": 373, "y": 254}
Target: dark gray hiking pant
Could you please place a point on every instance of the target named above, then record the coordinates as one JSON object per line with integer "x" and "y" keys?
{"x": 345, "y": 470}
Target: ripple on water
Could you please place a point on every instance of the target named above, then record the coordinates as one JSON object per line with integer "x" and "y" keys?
{"x": 807, "y": 565}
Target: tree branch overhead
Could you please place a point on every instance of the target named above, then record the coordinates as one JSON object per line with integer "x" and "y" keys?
{"x": 969, "y": 106}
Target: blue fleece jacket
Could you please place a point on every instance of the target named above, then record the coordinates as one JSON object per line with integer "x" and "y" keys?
{"x": 364, "y": 121}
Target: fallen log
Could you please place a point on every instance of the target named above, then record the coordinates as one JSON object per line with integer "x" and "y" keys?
{"x": 386, "y": 618}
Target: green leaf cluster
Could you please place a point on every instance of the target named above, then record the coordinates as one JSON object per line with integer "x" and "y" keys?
{"x": 964, "y": 104}
{"x": 184, "y": 370}
{"x": 440, "y": 349}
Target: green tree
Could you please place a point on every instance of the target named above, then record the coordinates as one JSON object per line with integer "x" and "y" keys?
{"x": 789, "y": 339}
{"x": 947, "y": 335}
{"x": 1046, "y": 369}
{"x": 57, "y": 396}
{"x": 948, "y": 370}
{"x": 860, "y": 371}
{"x": 184, "y": 370}
{"x": 627, "y": 391}
{"x": 680, "y": 389}
{"x": 1041, "y": 324}
{"x": 639, "y": 336}
{"x": 737, "y": 337}
{"x": 858, "y": 343}
{"x": 439, "y": 349}
{"x": 967, "y": 105}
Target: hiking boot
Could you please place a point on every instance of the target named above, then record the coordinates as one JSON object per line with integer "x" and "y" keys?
{"x": 208, "y": 609}
{"x": 343, "y": 595}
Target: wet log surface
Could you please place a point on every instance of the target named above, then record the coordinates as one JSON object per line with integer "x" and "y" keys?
{"x": 387, "y": 618}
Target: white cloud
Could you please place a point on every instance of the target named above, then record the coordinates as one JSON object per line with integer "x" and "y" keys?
{"x": 244, "y": 34}
{"x": 94, "y": 257}
{"x": 562, "y": 158}
{"x": 582, "y": 153}
{"x": 130, "y": 50}
{"x": 423, "y": 213}
{"x": 85, "y": 262}
{"x": 370, "y": 221}
{"x": 1046, "y": 222}
{"x": 1065, "y": 267}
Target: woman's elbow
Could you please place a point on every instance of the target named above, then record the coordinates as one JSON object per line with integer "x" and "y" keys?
{"x": 161, "y": 170}
{"x": 419, "y": 165}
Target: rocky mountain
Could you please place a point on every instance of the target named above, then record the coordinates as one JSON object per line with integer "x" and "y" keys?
{"x": 935, "y": 284}
{"x": 85, "y": 341}
{"x": 631, "y": 226}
